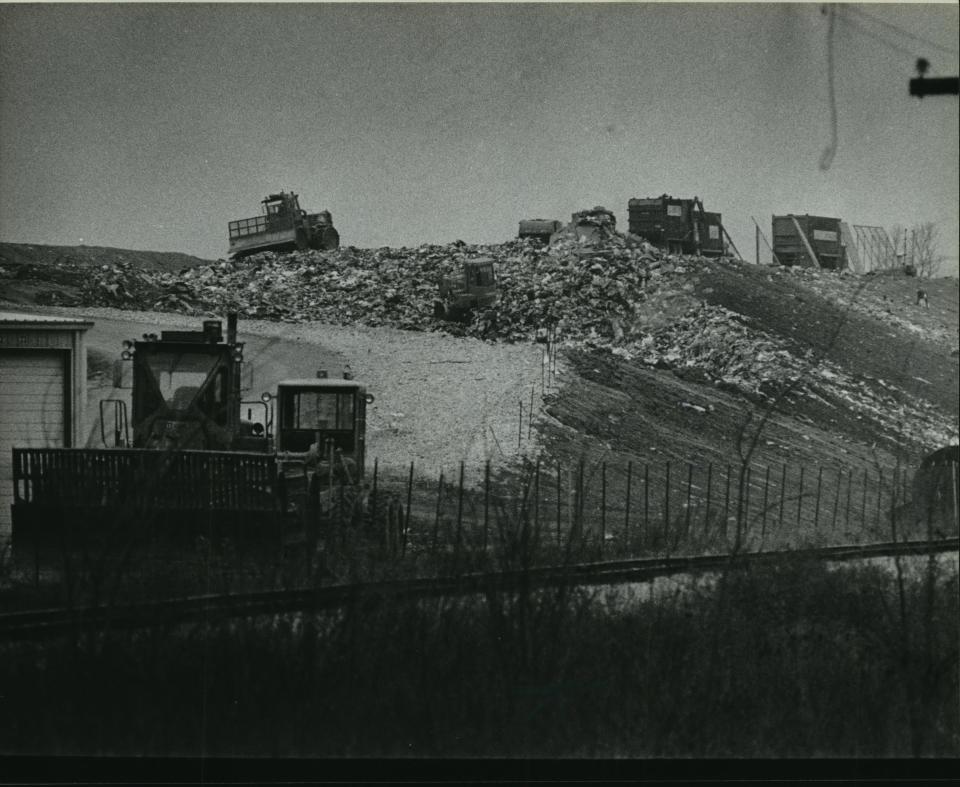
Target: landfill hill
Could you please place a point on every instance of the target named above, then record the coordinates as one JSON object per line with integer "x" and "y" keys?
{"x": 37, "y": 273}
{"x": 666, "y": 356}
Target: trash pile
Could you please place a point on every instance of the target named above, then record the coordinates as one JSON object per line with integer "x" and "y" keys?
{"x": 593, "y": 289}
{"x": 712, "y": 345}
{"x": 590, "y": 287}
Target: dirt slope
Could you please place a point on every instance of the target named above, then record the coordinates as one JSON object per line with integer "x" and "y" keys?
{"x": 869, "y": 325}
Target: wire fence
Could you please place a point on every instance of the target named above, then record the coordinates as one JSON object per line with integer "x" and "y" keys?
{"x": 670, "y": 508}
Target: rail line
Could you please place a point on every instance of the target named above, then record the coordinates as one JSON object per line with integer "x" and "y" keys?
{"x": 58, "y": 621}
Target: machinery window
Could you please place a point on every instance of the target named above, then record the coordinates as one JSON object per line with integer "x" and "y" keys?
{"x": 482, "y": 277}
{"x": 312, "y": 410}
{"x": 180, "y": 376}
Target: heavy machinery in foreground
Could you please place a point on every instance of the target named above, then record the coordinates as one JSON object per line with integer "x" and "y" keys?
{"x": 195, "y": 464}
{"x": 459, "y": 297}
{"x": 283, "y": 226}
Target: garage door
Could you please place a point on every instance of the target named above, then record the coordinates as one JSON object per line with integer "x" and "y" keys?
{"x": 32, "y": 405}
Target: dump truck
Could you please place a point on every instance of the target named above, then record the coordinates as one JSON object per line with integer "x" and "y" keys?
{"x": 475, "y": 288}
{"x": 282, "y": 226}
{"x": 809, "y": 241}
{"x": 678, "y": 226}
{"x": 200, "y": 459}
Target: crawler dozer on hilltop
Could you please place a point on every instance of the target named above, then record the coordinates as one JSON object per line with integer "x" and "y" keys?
{"x": 201, "y": 460}
{"x": 283, "y": 226}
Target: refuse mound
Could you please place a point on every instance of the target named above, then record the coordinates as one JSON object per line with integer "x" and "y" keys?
{"x": 591, "y": 287}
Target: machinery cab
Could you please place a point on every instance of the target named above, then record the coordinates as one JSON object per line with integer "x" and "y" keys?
{"x": 320, "y": 424}
{"x": 186, "y": 391}
{"x": 282, "y": 208}
{"x": 476, "y": 287}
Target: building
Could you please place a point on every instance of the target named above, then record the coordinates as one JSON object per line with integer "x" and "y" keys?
{"x": 43, "y": 383}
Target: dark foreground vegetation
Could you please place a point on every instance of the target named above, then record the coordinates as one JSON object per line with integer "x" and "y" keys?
{"x": 799, "y": 660}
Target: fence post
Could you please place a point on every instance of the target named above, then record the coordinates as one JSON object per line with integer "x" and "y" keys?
{"x": 520, "y": 426}
{"x": 559, "y": 524}
{"x": 626, "y": 516}
{"x": 530, "y": 415}
{"x": 816, "y": 511}
{"x": 646, "y": 503}
{"x": 706, "y": 514}
{"x": 863, "y": 507}
{"x": 580, "y": 496}
{"x": 876, "y": 523}
{"x": 836, "y": 500}
{"x": 486, "y": 504}
{"x": 459, "y": 511}
{"x": 686, "y": 524}
{"x": 800, "y": 496}
{"x": 666, "y": 505}
{"x": 894, "y": 499}
{"x": 406, "y": 523}
{"x": 373, "y": 496}
{"x": 543, "y": 357}
{"x": 744, "y": 525}
{"x": 536, "y": 505}
{"x": 436, "y": 521}
{"x": 954, "y": 477}
{"x": 783, "y": 496}
{"x": 766, "y": 498}
{"x": 603, "y": 505}
{"x": 726, "y": 508}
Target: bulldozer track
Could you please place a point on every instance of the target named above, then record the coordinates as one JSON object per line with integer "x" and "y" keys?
{"x": 59, "y": 621}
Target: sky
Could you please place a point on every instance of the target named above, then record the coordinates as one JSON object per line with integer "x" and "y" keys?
{"x": 150, "y": 127}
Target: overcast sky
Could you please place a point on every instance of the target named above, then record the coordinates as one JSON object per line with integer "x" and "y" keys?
{"x": 151, "y": 126}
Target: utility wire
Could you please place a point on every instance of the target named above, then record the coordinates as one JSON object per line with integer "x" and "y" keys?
{"x": 898, "y": 29}
{"x": 875, "y": 36}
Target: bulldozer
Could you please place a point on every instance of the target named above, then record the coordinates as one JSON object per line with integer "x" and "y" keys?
{"x": 538, "y": 229}
{"x": 201, "y": 459}
{"x": 475, "y": 288}
{"x": 282, "y": 226}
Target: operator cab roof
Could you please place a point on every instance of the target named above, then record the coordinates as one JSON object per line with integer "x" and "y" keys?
{"x": 319, "y": 382}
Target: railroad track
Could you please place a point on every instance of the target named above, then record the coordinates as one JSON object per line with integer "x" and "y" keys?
{"x": 54, "y": 622}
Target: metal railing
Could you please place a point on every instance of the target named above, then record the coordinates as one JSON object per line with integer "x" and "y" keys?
{"x": 143, "y": 479}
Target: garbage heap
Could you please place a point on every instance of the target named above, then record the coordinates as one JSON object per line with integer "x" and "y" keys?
{"x": 600, "y": 289}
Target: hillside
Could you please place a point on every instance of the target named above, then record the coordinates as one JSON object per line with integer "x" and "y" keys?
{"x": 36, "y": 273}
{"x": 666, "y": 356}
